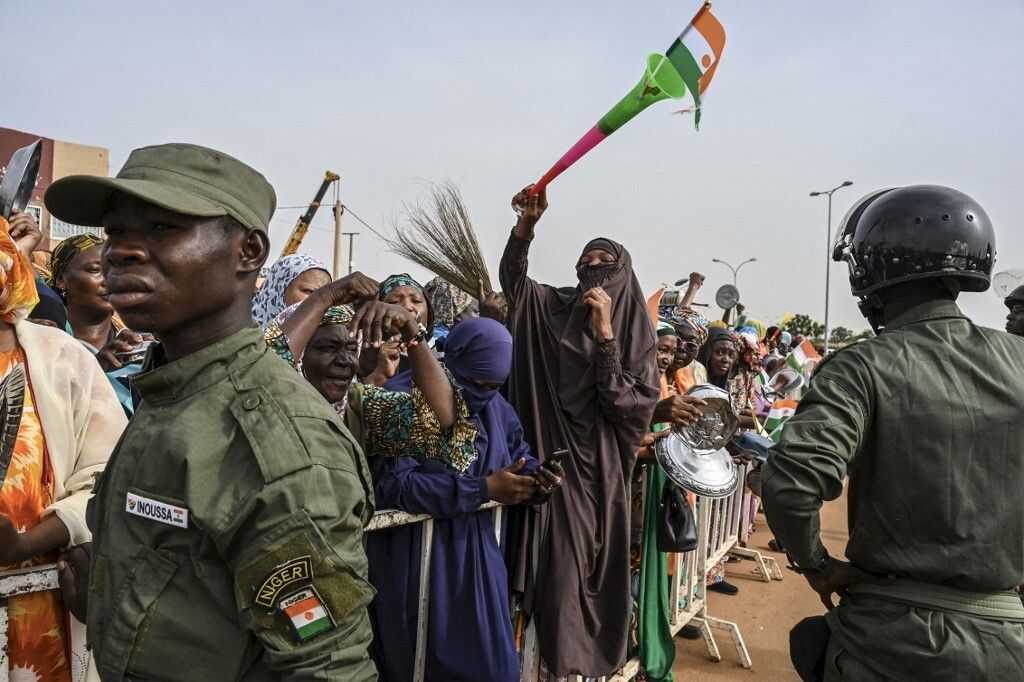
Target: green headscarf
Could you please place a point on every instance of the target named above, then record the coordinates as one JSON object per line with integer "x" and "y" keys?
{"x": 665, "y": 328}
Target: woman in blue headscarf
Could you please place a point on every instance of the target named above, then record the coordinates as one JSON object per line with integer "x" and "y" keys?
{"x": 470, "y": 627}
{"x": 289, "y": 281}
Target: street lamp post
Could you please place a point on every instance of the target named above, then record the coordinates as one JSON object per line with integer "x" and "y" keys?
{"x": 828, "y": 249}
{"x": 735, "y": 270}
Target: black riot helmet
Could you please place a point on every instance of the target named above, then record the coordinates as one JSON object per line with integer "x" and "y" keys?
{"x": 1016, "y": 296}
{"x": 914, "y": 233}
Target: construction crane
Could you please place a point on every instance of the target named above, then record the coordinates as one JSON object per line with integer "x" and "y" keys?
{"x": 302, "y": 226}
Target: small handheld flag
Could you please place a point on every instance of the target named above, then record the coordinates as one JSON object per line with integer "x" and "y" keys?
{"x": 780, "y": 413}
{"x": 802, "y": 356}
{"x": 688, "y": 64}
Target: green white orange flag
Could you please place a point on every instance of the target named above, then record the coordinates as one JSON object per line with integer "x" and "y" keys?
{"x": 780, "y": 413}
{"x": 802, "y": 355}
{"x": 695, "y": 54}
{"x": 689, "y": 64}
{"x": 307, "y": 614}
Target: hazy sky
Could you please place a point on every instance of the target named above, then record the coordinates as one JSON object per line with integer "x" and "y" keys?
{"x": 395, "y": 94}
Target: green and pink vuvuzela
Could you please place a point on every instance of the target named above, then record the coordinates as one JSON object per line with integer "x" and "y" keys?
{"x": 688, "y": 64}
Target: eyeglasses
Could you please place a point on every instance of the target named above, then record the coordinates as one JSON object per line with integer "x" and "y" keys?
{"x": 689, "y": 346}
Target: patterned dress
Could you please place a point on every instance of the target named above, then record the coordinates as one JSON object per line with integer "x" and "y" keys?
{"x": 395, "y": 424}
{"x": 38, "y": 627}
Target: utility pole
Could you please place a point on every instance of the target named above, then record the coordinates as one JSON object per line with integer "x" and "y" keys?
{"x": 338, "y": 210}
{"x": 351, "y": 250}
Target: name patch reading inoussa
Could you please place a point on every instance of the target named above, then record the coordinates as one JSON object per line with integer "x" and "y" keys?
{"x": 155, "y": 510}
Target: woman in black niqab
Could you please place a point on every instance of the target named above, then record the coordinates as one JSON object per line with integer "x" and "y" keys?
{"x": 583, "y": 378}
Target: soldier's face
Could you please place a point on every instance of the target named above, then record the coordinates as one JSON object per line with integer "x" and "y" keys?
{"x": 1015, "y": 320}
{"x": 330, "y": 361}
{"x": 167, "y": 272}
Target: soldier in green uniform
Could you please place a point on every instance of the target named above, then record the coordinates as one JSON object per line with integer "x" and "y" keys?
{"x": 228, "y": 525}
{"x": 926, "y": 420}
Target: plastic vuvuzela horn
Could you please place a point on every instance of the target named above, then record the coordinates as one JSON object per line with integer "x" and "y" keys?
{"x": 689, "y": 64}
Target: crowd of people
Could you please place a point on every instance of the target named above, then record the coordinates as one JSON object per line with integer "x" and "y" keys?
{"x": 204, "y": 441}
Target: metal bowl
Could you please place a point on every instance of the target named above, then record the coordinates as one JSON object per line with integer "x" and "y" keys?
{"x": 694, "y": 457}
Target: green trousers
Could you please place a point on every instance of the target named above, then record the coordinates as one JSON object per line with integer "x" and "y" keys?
{"x": 876, "y": 639}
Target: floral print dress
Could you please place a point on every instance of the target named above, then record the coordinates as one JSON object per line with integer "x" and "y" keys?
{"x": 37, "y": 631}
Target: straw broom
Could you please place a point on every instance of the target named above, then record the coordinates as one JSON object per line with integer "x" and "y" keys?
{"x": 438, "y": 235}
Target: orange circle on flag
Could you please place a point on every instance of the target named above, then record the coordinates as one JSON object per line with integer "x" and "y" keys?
{"x": 706, "y": 60}
{"x": 308, "y": 616}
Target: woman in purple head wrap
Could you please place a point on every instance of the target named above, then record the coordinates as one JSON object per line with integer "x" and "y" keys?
{"x": 469, "y": 628}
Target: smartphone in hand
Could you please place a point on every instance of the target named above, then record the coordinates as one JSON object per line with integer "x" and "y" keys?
{"x": 555, "y": 458}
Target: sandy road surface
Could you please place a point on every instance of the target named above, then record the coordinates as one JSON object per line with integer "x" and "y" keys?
{"x": 764, "y": 611}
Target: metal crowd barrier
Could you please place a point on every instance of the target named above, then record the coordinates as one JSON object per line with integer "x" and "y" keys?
{"x": 724, "y": 527}
{"x": 731, "y": 519}
{"x": 392, "y": 518}
{"x": 723, "y": 524}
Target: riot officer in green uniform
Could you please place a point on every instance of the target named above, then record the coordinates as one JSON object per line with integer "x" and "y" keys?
{"x": 926, "y": 420}
{"x": 227, "y": 527}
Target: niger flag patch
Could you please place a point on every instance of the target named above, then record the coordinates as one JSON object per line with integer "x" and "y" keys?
{"x": 307, "y": 613}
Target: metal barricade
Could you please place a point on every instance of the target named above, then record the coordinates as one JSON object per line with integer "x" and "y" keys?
{"x": 44, "y": 577}
{"x": 392, "y": 518}
{"x": 749, "y": 504}
{"x": 722, "y": 526}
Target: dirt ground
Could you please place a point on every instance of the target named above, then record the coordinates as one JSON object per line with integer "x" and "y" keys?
{"x": 765, "y": 612}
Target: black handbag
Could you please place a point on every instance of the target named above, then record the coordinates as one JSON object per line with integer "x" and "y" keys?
{"x": 677, "y": 529}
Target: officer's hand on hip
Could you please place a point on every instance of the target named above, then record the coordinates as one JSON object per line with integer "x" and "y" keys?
{"x": 838, "y": 576}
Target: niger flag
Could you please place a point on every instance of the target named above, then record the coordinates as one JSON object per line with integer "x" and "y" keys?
{"x": 696, "y": 52}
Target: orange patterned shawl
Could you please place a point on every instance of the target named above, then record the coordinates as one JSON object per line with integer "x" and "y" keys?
{"x": 17, "y": 282}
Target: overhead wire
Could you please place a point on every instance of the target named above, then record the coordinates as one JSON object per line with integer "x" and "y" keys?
{"x": 345, "y": 207}
{"x": 365, "y": 224}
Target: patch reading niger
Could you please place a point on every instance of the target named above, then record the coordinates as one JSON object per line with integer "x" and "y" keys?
{"x": 296, "y": 570}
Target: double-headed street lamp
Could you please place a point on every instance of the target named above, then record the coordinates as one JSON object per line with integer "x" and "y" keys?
{"x": 736, "y": 269}
{"x": 828, "y": 248}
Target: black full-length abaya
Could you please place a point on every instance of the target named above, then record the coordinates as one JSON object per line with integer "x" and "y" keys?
{"x": 596, "y": 400}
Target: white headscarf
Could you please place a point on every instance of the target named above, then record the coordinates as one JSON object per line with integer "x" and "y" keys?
{"x": 269, "y": 300}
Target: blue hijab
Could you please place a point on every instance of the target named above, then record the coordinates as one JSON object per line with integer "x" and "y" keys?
{"x": 468, "y": 580}
{"x": 479, "y": 349}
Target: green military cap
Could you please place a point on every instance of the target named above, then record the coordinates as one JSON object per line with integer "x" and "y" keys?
{"x": 184, "y": 178}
